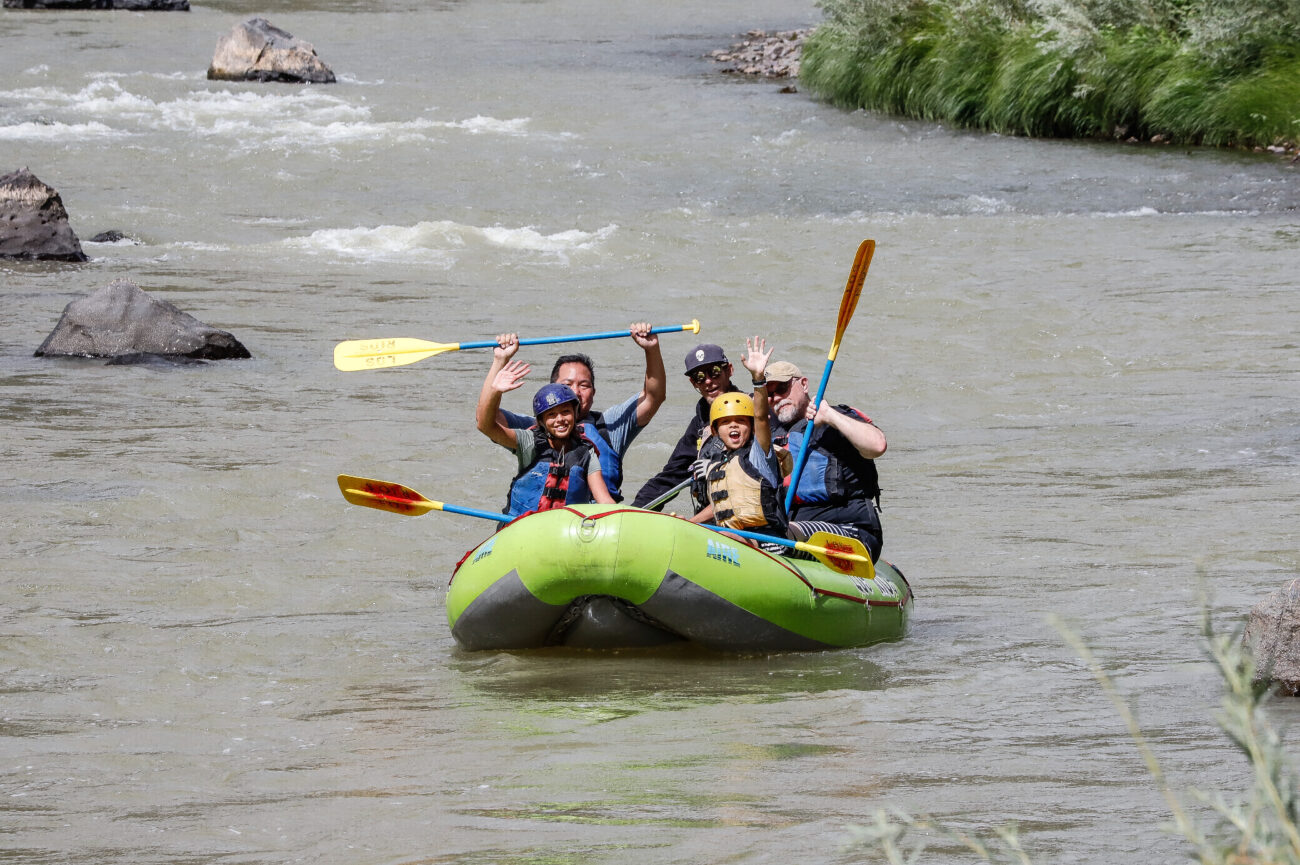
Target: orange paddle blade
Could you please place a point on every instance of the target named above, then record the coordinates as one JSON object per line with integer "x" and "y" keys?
{"x": 852, "y": 291}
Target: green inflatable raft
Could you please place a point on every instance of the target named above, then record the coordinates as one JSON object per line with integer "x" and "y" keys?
{"x": 605, "y": 576}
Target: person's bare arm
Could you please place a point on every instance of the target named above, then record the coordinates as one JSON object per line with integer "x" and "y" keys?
{"x": 655, "y": 389}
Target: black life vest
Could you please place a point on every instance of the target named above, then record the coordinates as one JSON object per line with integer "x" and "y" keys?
{"x": 837, "y": 474}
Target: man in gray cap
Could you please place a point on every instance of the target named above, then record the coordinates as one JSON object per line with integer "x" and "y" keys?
{"x": 709, "y": 371}
{"x": 839, "y": 489}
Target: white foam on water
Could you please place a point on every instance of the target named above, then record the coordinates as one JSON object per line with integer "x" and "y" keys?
{"x": 442, "y": 242}
{"x": 480, "y": 125}
{"x": 58, "y": 132}
{"x": 280, "y": 118}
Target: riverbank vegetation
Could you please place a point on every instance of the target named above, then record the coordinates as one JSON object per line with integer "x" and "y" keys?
{"x": 1260, "y": 827}
{"x": 1213, "y": 72}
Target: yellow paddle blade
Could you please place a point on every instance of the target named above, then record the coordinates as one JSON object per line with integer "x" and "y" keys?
{"x": 844, "y": 554}
{"x": 385, "y": 496}
{"x": 852, "y": 291}
{"x": 355, "y": 354}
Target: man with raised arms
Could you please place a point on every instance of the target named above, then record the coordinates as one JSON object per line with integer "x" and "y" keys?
{"x": 613, "y": 429}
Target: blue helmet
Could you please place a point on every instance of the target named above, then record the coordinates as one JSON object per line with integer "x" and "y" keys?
{"x": 552, "y": 395}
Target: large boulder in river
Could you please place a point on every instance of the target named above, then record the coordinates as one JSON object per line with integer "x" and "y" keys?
{"x": 33, "y": 222}
{"x": 257, "y": 51}
{"x": 132, "y": 5}
{"x": 120, "y": 319}
{"x": 1273, "y": 633}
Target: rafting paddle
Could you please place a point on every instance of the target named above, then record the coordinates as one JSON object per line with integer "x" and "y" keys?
{"x": 837, "y": 552}
{"x": 840, "y": 553}
{"x": 398, "y": 499}
{"x": 852, "y": 291}
{"x": 355, "y": 354}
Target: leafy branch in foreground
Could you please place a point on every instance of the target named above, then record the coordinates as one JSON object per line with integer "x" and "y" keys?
{"x": 1255, "y": 829}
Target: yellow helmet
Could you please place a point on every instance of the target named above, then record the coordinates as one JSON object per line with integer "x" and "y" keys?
{"x": 730, "y": 405}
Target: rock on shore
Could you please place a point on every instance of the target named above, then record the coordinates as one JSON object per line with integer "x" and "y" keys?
{"x": 763, "y": 54}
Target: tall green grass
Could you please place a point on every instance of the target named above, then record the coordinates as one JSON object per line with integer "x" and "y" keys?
{"x": 1258, "y": 827}
{"x": 1216, "y": 72}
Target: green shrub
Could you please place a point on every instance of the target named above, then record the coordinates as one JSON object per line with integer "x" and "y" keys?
{"x": 1197, "y": 71}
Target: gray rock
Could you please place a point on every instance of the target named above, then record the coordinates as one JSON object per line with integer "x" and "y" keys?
{"x": 1273, "y": 633}
{"x": 133, "y": 5}
{"x": 120, "y": 319}
{"x": 110, "y": 236}
{"x": 257, "y": 51}
{"x": 33, "y": 222}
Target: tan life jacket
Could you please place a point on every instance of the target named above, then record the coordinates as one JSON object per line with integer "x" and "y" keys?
{"x": 741, "y": 498}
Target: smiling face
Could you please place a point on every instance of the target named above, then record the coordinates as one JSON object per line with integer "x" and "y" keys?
{"x": 711, "y": 380}
{"x": 579, "y": 378}
{"x": 734, "y": 432}
{"x": 558, "y": 422}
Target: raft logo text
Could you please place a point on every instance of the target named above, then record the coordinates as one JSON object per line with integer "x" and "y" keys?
{"x": 485, "y": 552}
{"x": 724, "y": 553}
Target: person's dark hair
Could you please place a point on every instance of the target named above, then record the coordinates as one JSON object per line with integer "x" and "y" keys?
{"x": 573, "y": 358}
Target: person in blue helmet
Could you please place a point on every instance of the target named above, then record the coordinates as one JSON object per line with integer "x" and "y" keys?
{"x": 558, "y": 465}
{"x": 614, "y": 429}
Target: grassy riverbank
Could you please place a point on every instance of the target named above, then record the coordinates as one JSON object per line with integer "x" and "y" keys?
{"x": 1214, "y": 72}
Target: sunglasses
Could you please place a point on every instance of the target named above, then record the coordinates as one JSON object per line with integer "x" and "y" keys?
{"x": 779, "y": 388}
{"x": 703, "y": 374}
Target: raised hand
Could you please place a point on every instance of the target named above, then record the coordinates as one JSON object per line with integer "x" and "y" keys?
{"x": 510, "y": 376}
{"x": 641, "y": 334}
{"x": 507, "y": 345}
{"x": 756, "y": 357}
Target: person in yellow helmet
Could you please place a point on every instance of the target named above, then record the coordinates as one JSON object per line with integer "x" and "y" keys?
{"x": 744, "y": 481}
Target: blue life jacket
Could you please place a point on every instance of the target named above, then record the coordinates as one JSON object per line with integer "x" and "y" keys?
{"x": 553, "y": 479}
{"x": 611, "y": 464}
{"x": 835, "y": 472}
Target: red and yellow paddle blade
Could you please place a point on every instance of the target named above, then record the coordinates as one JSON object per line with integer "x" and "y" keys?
{"x": 852, "y": 291}
{"x": 385, "y": 496}
{"x": 357, "y": 354}
{"x": 843, "y": 554}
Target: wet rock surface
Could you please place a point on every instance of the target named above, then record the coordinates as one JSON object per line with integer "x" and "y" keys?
{"x": 763, "y": 54}
{"x": 256, "y": 50}
{"x": 33, "y": 221}
{"x": 1273, "y": 633}
{"x": 121, "y": 320}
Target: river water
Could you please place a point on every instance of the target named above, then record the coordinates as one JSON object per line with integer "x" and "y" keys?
{"x": 1085, "y": 357}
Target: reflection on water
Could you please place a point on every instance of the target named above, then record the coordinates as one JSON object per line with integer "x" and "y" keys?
{"x": 661, "y": 679}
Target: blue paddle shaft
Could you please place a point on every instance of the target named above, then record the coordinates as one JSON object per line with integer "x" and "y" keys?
{"x": 580, "y": 337}
{"x": 471, "y": 512}
{"x": 753, "y": 536}
{"x": 807, "y": 437}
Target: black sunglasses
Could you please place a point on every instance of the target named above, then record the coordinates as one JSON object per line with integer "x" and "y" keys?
{"x": 701, "y": 375}
{"x": 779, "y": 388}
